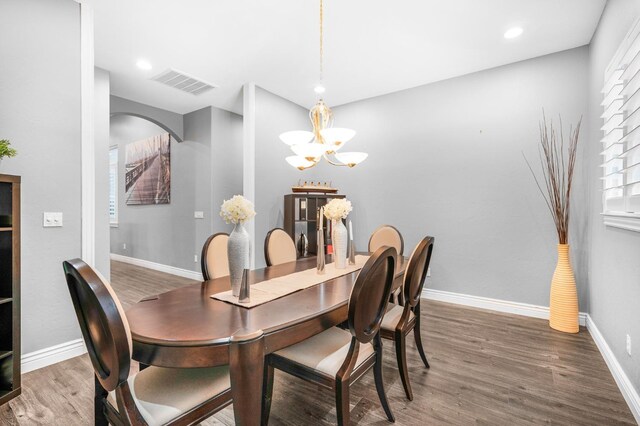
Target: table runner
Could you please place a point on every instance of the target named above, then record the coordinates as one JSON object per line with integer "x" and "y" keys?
{"x": 276, "y": 288}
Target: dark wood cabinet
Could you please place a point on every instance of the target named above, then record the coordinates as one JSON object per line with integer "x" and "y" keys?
{"x": 301, "y": 217}
{"x": 9, "y": 287}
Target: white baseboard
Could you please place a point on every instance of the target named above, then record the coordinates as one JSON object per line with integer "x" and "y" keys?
{"x": 185, "y": 273}
{"x": 52, "y": 355}
{"x": 629, "y": 393}
{"x": 506, "y": 306}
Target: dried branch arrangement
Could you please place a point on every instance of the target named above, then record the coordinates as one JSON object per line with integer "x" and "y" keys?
{"x": 557, "y": 164}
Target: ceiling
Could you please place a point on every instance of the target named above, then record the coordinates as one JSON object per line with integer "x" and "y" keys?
{"x": 372, "y": 47}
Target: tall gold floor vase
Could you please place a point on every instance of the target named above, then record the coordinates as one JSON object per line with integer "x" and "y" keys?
{"x": 563, "y": 304}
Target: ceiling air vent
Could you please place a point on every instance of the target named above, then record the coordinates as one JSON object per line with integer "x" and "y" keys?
{"x": 183, "y": 82}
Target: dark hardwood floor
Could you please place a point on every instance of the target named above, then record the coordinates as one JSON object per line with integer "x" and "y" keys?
{"x": 487, "y": 368}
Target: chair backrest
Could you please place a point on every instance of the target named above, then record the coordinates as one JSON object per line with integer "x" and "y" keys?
{"x": 370, "y": 294}
{"x": 215, "y": 260}
{"x": 279, "y": 248}
{"x": 416, "y": 271}
{"x": 386, "y": 235}
{"x": 103, "y": 323}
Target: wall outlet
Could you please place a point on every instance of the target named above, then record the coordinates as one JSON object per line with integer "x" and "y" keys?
{"x": 52, "y": 219}
{"x": 628, "y": 345}
{"x": 198, "y": 215}
{"x": 195, "y": 258}
{"x": 429, "y": 271}
{"x": 124, "y": 246}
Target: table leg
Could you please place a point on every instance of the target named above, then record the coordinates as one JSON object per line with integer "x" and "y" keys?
{"x": 100, "y": 395}
{"x": 246, "y": 365}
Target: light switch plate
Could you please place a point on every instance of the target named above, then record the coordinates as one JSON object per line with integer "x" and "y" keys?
{"x": 52, "y": 219}
{"x": 198, "y": 215}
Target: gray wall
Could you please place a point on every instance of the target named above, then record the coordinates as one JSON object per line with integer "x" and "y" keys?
{"x": 614, "y": 266}
{"x": 274, "y": 177}
{"x": 174, "y": 122}
{"x": 226, "y": 162}
{"x": 40, "y": 114}
{"x": 445, "y": 159}
{"x": 205, "y": 168}
{"x": 101, "y": 121}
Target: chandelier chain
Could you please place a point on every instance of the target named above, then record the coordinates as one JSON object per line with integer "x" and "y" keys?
{"x": 321, "y": 40}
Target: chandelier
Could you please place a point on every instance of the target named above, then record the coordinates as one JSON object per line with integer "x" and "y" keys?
{"x": 325, "y": 140}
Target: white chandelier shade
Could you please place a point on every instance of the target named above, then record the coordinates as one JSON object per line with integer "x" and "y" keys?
{"x": 351, "y": 159}
{"x": 299, "y": 162}
{"x": 309, "y": 151}
{"x": 336, "y": 137}
{"x": 295, "y": 137}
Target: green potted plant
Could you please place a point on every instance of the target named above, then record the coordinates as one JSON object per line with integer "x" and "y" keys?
{"x": 6, "y": 150}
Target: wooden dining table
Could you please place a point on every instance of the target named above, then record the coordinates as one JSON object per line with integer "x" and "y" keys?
{"x": 186, "y": 328}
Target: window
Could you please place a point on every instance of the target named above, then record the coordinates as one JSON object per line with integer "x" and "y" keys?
{"x": 113, "y": 185}
{"x": 621, "y": 135}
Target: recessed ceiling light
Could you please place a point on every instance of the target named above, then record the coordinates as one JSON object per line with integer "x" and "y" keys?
{"x": 513, "y": 32}
{"x": 143, "y": 64}
{"x": 319, "y": 89}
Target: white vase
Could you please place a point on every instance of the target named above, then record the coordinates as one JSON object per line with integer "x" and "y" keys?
{"x": 340, "y": 244}
{"x": 238, "y": 252}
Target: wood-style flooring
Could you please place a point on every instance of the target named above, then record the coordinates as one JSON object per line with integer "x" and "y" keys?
{"x": 487, "y": 368}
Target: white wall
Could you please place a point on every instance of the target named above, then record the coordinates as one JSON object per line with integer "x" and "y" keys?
{"x": 614, "y": 266}
{"x": 445, "y": 159}
{"x": 101, "y": 120}
{"x": 40, "y": 114}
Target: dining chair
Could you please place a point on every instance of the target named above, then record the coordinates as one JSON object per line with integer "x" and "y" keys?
{"x": 387, "y": 235}
{"x": 336, "y": 358}
{"x": 279, "y": 248}
{"x": 155, "y": 395}
{"x": 399, "y": 320}
{"x": 214, "y": 260}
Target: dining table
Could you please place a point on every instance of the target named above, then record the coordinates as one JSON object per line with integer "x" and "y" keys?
{"x": 186, "y": 328}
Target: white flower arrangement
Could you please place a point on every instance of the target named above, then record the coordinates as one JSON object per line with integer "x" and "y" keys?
{"x": 237, "y": 210}
{"x": 337, "y": 208}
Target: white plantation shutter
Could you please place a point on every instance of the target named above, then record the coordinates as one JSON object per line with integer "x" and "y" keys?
{"x": 621, "y": 134}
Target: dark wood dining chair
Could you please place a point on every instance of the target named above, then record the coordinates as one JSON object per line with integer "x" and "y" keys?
{"x": 155, "y": 395}
{"x": 336, "y": 358}
{"x": 399, "y": 321}
{"x": 215, "y": 260}
{"x": 279, "y": 248}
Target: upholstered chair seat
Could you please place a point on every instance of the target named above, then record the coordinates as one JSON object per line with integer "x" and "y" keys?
{"x": 392, "y": 317}
{"x": 164, "y": 394}
{"x": 326, "y": 352}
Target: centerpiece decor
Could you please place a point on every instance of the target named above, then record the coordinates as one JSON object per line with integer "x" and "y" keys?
{"x": 558, "y": 164}
{"x": 336, "y": 210}
{"x": 237, "y": 211}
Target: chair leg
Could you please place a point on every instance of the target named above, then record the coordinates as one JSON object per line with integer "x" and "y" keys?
{"x": 418, "y": 337}
{"x": 267, "y": 392}
{"x": 100, "y": 396}
{"x": 342, "y": 403}
{"x": 401, "y": 355}
{"x": 377, "y": 373}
